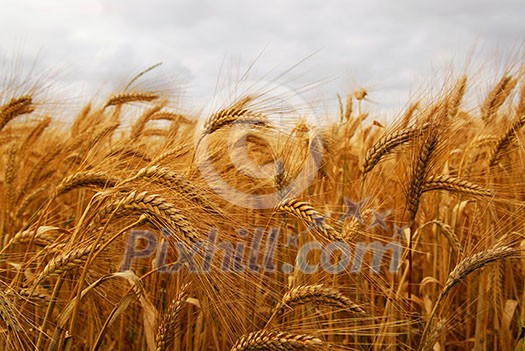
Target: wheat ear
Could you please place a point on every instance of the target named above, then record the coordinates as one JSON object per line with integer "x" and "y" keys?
{"x": 496, "y": 98}
{"x": 451, "y": 236}
{"x": 168, "y": 327}
{"x": 124, "y": 98}
{"x": 65, "y": 262}
{"x": 14, "y": 108}
{"x": 159, "y": 209}
{"x": 177, "y": 182}
{"x": 420, "y": 173}
{"x": 463, "y": 269}
{"x": 388, "y": 143}
{"x": 318, "y": 295}
{"x": 455, "y": 99}
{"x": 505, "y": 140}
{"x": 86, "y": 179}
{"x": 272, "y": 340}
{"x": 444, "y": 182}
{"x": 237, "y": 113}
{"x": 306, "y": 212}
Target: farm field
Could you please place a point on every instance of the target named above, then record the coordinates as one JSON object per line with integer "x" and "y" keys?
{"x": 139, "y": 227}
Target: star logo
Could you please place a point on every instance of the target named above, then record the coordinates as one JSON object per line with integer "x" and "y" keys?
{"x": 353, "y": 209}
{"x": 399, "y": 232}
{"x": 292, "y": 241}
{"x": 379, "y": 219}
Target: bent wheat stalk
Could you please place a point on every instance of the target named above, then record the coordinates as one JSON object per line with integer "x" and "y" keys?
{"x": 463, "y": 269}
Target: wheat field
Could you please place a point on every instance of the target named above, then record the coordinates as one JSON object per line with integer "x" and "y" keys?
{"x": 139, "y": 227}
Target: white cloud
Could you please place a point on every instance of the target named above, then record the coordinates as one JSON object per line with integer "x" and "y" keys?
{"x": 383, "y": 45}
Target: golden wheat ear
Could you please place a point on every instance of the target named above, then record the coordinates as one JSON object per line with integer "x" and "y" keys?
{"x": 419, "y": 173}
{"x": 14, "y": 108}
{"x": 168, "y": 328}
{"x": 307, "y": 213}
{"x": 462, "y": 270}
{"x": 506, "y": 140}
{"x": 496, "y": 98}
{"x": 389, "y": 143}
{"x": 272, "y": 340}
{"x": 318, "y": 295}
{"x": 460, "y": 186}
{"x": 126, "y": 98}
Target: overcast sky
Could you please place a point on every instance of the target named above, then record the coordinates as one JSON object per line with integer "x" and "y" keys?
{"x": 386, "y": 46}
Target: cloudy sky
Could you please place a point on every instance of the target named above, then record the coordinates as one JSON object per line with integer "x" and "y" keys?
{"x": 328, "y": 47}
